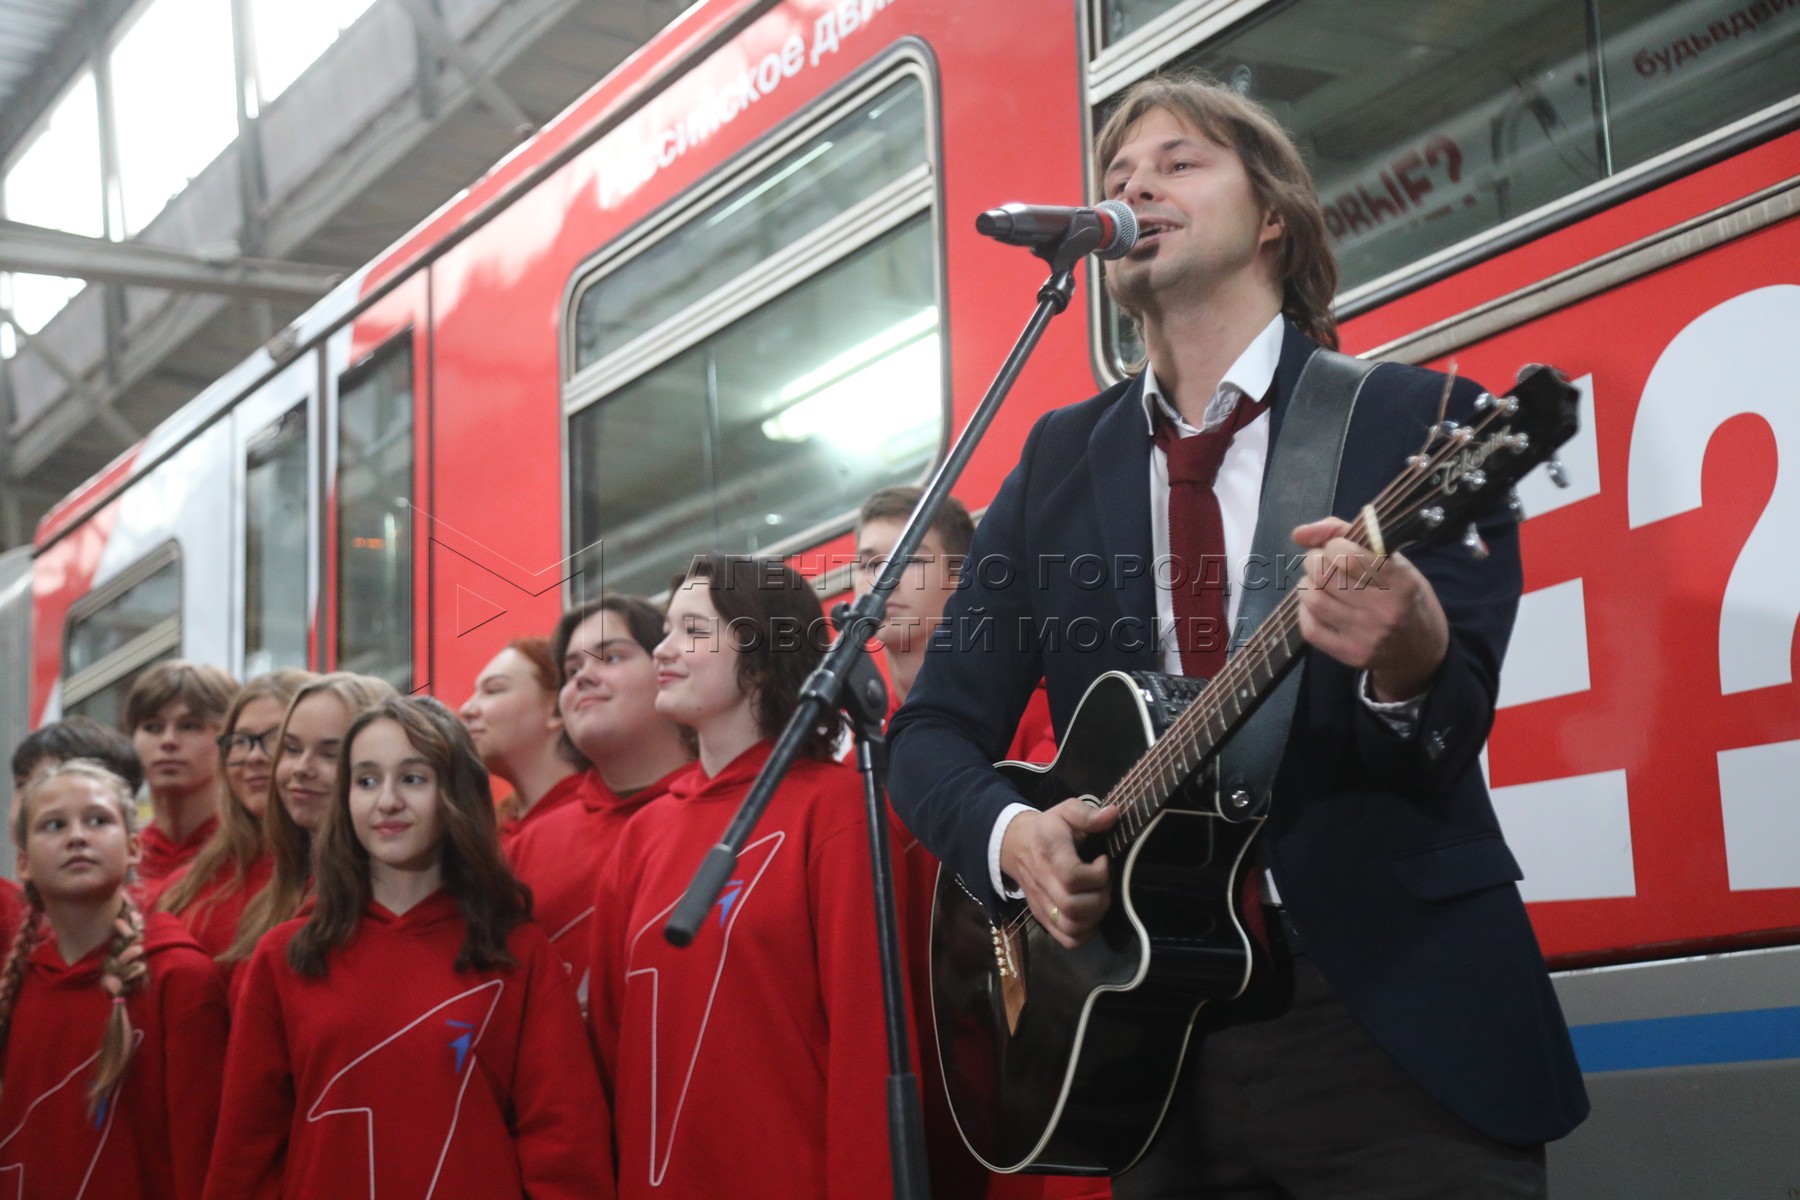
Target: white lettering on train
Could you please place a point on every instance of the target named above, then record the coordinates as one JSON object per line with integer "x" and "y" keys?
{"x": 636, "y": 163}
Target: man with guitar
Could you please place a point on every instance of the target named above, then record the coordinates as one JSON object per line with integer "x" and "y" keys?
{"x": 1401, "y": 1037}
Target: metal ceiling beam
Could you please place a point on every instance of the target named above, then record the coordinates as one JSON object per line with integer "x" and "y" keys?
{"x": 35, "y": 440}
{"x": 53, "y": 71}
{"x": 31, "y": 448}
{"x": 26, "y": 342}
{"x": 39, "y": 251}
{"x": 88, "y": 405}
{"x": 431, "y": 27}
{"x": 300, "y": 216}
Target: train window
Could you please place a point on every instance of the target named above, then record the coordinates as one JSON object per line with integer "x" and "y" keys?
{"x": 792, "y": 415}
{"x": 1118, "y": 19}
{"x": 805, "y": 370}
{"x": 117, "y": 631}
{"x": 275, "y": 553}
{"x": 829, "y": 172}
{"x": 374, "y": 517}
{"x": 1428, "y": 125}
{"x": 1676, "y": 72}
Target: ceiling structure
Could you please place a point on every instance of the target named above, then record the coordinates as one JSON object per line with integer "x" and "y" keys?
{"x": 411, "y": 104}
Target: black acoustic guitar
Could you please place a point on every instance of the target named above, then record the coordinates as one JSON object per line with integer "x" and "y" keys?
{"x": 1065, "y": 1061}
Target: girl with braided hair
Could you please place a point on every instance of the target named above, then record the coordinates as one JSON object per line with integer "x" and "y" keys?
{"x": 414, "y": 1034}
{"x": 112, "y": 1024}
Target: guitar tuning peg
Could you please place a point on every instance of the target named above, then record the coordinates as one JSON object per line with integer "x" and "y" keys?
{"x": 1473, "y": 542}
{"x": 1516, "y": 506}
{"x": 1559, "y": 474}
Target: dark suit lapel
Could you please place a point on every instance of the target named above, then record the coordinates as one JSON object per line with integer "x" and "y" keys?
{"x": 1119, "y": 466}
{"x": 1296, "y": 348}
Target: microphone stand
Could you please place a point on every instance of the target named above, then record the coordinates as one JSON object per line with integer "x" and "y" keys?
{"x": 848, "y": 682}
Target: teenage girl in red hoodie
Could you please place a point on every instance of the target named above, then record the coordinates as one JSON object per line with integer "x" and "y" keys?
{"x": 415, "y": 1035}
{"x": 752, "y": 1063}
{"x": 113, "y": 1024}
{"x": 309, "y": 750}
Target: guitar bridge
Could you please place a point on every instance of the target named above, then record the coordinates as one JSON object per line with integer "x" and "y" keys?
{"x": 1009, "y": 960}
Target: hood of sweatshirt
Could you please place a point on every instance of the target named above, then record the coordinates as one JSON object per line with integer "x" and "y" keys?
{"x": 427, "y": 915}
{"x": 162, "y": 933}
{"x": 596, "y": 796}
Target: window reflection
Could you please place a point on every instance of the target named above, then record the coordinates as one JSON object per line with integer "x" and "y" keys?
{"x": 374, "y": 499}
{"x": 781, "y": 421}
{"x": 848, "y": 162}
{"x": 140, "y": 610}
{"x": 275, "y": 555}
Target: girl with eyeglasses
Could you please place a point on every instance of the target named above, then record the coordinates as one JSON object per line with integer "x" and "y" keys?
{"x": 308, "y": 748}
{"x": 211, "y": 893}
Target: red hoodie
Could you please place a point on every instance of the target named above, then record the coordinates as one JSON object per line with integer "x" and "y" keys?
{"x": 163, "y": 855}
{"x": 213, "y": 915}
{"x": 12, "y": 915}
{"x": 752, "y": 1063}
{"x": 152, "y": 1141}
{"x": 395, "y": 1076}
{"x": 560, "y": 859}
{"x": 561, "y": 795}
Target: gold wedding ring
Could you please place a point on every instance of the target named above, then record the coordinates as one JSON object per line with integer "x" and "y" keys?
{"x": 1055, "y": 913}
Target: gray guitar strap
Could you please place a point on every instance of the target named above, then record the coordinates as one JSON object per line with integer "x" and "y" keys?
{"x": 1299, "y": 485}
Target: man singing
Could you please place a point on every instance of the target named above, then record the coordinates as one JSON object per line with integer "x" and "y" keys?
{"x": 1412, "y": 1044}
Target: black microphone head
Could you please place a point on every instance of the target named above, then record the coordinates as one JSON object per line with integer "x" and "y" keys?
{"x": 995, "y": 223}
{"x": 1124, "y": 229}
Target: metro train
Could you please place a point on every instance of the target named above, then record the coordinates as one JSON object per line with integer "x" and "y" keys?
{"x": 737, "y": 286}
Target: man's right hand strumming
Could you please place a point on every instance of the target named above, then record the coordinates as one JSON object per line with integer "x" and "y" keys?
{"x": 1038, "y": 853}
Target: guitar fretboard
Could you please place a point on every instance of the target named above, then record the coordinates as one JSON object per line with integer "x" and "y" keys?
{"x": 1247, "y": 679}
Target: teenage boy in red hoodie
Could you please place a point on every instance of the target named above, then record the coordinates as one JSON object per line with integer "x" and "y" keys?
{"x": 175, "y": 712}
{"x": 608, "y": 704}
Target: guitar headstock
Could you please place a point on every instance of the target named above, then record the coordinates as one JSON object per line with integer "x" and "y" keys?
{"x": 1464, "y": 470}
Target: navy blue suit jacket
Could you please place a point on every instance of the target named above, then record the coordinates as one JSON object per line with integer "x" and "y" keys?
{"x": 1385, "y": 850}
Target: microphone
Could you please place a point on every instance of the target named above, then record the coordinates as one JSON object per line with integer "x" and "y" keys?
{"x": 1044, "y": 225}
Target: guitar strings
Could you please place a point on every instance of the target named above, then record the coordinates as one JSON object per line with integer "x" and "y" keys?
{"x": 1284, "y": 621}
{"x": 1140, "y": 802}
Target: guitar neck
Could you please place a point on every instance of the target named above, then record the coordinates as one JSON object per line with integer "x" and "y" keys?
{"x": 1460, "y": 472}
{"x": 1248, "y": 678}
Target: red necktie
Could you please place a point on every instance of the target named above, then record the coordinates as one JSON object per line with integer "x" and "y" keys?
{"x": 1197, "y": 537}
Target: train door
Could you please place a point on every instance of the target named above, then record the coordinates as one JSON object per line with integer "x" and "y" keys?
{"x": 275, "y": 551}
{"x": 377, "y": 439}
